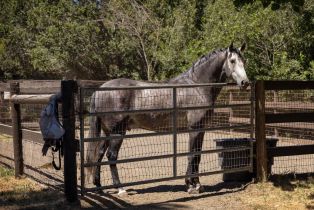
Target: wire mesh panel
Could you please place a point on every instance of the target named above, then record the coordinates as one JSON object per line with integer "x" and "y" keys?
{"x": 291, "y": 133}
{"x": 6, "y": 140}
{"x": 161, "y": 132}
{"x": 35, "y": 165}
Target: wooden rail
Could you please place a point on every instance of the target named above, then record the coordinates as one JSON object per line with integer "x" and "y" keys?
{"x": 40, "y": 92}
{"x": 289, "y": 85}
{"x": 31, "y": 99}
{"x": 283, "y": 105}
{"x": 288, "y": 125}
{"x": 262, "y": 118}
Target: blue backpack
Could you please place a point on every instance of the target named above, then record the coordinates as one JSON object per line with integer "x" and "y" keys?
{"x": 51, "y": 129}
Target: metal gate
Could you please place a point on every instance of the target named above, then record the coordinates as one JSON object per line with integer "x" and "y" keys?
{"x": 153, "y": 156}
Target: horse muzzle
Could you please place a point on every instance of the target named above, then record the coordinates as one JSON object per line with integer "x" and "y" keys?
{"x": 244, "y": 84}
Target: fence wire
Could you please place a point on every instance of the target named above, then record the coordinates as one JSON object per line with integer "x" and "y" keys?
{"x": 148, "y": 151}
{"x": 228, "y": 119}
{"x": 6, "y": 146}
{"x": 293, "y": 133}
{"x": 36, "y": 166}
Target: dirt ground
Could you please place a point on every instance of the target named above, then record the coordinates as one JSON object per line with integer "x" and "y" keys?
{"x": 283, "y": 193}
{"x": 235, "y": 195}
{"x": 45, "y": 193}
{"x": 171, "y": 195}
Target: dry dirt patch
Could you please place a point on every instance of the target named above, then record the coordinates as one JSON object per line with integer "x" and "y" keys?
{"x": 283, "y": 193}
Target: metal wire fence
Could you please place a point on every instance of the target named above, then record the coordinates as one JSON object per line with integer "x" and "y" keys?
{"x": 156, "y": 143}
{"x": 35, "y": 165}
{"x": 148, "y": 151}
{"x": 292, "y": 133}
{"x": 6, "y": 146}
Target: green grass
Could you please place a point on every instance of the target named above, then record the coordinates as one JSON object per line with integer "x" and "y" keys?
{"x": 5, "y": 172}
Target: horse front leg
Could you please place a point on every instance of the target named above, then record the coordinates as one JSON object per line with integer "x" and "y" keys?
{"x": 112, "y": 155}
{"x": 195, "y": 145}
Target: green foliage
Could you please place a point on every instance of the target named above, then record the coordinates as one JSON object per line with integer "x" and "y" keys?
{"x": 273, "y": 4}
{"x": 152, "y": 39}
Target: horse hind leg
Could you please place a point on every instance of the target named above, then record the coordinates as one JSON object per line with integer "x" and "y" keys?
{"x": 112, "y": 155}
{"x": 101, "y": 154}
{"x": 96, "y": 149}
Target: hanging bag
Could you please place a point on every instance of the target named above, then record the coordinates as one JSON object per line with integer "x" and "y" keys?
{"x": 51, "y": 129}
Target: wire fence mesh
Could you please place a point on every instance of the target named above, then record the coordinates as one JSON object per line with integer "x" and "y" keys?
{"x": 6, "y": 146}
{"x": 149, "y": 130}
{"x": 292, "y": 133}
{"x": 159, "y": 147}
{"x": 35, "y": 165}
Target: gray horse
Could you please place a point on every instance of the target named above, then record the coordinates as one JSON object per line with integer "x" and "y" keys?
{"x": 215, "y": 67}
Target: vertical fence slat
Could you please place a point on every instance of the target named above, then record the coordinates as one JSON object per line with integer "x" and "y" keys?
{"x": 261, "y": 152}
{"x": 68, "y": 88}
{"x": 276, "y": 133}
{"x": 17, "y": 132}
{"x": 252, "y": 117}
{"x": 82, "y": 136}
{"x": 174, "y": 120}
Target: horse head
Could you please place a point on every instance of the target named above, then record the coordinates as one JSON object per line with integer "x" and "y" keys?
{"x": 234, "y": 65}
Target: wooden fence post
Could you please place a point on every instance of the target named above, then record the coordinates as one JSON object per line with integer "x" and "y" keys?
{"x": 68, "y": 88}
{"x": 17, "y": 132}
{"x": 261, "y": 150}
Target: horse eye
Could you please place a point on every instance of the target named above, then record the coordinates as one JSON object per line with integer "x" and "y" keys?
{"x": 232, "y": 61}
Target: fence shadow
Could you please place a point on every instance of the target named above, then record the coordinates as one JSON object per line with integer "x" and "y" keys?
{"x": 228, "y": 186}
{"x": 107, "y": 200}
{"x": 288, "y": 182}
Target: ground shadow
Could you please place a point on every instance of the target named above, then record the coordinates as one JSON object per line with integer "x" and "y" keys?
{"x": 103, "y": 200}
{"x": 227, "y": 186}
{"x": 287, "y": 182}
{"x": 43, "y": 199}
{"x": 111, "y": 201}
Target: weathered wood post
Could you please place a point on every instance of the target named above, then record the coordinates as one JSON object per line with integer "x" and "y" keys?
{"x": 261, "y": 150}
{"x": 68, "y": 89}
{"x": 17, "y": 132}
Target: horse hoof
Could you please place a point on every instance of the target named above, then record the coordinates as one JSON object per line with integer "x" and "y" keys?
{"x": 200, "y": 188}
{"x": 196, "y": 190}
{"x": 192, "y": 190}
{"x": 122, "y": 192}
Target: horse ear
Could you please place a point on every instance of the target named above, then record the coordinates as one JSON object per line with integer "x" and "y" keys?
{"x": 231, "y": 46}
{"x": 243, "y": 47}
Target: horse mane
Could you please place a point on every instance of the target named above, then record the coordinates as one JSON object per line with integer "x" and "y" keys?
{"x": 212, "y": 54}
{"x": 202, "y": 60}
{"x": 205, "y": 58}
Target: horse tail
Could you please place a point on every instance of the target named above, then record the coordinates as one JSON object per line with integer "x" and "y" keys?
{"x": 94, "y": 121}
{"x": 93, "y": 147}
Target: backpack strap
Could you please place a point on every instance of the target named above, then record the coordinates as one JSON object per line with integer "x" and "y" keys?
{"x": 53, "y": 161}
